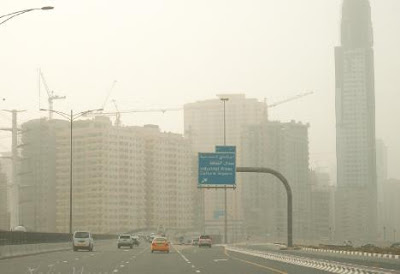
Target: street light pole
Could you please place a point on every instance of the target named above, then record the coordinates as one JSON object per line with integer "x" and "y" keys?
{"x": 70, "y": 178}
{"x": 225, "y": 188}
{"x": 20, "y": 12}
{"x": 71, "y": 117}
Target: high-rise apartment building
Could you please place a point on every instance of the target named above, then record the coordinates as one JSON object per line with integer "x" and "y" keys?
{"x": 123, "y": 178}
{"x": 170, "y": 180}
{"x": 108, "y": 177}
{"x": 356, "y": 196}
{"x": 37, "y": 176}
{"x": 204, "y": 126}
{"x": 283, "y": 147}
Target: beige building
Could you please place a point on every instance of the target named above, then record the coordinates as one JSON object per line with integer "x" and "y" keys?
{"x": 124, "y": 178}
{"x": 170, "y": 180}
{"x": 108, "y": 177}
{"x": 204, "y": 126}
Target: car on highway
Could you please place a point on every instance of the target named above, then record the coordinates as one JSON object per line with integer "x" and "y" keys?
{"x": 82, "y": 240}
{"x": 205, "y": 240}
{"x": 135, "y": 240}
{"x": 125, "y": 240}
{"x": 159, "y": 244}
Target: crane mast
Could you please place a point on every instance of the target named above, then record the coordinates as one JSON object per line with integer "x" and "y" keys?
{"x": 50, "y": 94}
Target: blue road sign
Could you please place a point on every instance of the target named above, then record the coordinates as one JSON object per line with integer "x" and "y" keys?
{"x": 217, "y": 170}
{"x": 225, "y": 149}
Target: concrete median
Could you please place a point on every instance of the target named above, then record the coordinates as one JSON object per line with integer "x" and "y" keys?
{"x": 9, "y": 251}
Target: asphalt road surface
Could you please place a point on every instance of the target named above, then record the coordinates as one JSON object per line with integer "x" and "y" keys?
{"x": 107, "y": 258}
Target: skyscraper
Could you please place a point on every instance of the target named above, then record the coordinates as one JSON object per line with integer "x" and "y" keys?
{"x": 356, "y": 201}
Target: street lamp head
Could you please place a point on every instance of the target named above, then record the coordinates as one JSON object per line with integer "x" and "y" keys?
{"x": 47, "y": 8}
{"x": 43, "y": 109}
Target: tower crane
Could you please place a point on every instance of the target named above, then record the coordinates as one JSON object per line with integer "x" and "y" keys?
{"x": 298, "y": 96}
{"x": 50, "y": 94}
{"x": 108, "y": 94}
{"x": 117, "y": 114}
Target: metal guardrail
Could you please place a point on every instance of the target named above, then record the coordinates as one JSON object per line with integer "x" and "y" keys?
{"x": 18, "y": 237}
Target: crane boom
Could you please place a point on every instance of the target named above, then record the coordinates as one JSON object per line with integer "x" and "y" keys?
{"x": 298, "y": 96}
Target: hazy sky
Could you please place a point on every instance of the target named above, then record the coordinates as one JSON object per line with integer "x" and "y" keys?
{"x": 167, "y": 53}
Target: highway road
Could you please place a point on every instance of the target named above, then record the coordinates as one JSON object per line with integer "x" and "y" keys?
{"x": 108, "y": 259}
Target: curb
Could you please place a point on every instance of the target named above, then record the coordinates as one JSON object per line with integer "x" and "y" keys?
{"x": 356, "y": 253}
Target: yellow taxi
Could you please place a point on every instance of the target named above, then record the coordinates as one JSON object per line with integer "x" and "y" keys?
{"x": 160, "y": 244}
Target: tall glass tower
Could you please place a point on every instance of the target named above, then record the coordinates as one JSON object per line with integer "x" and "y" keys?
{"x": 356, "y": 197}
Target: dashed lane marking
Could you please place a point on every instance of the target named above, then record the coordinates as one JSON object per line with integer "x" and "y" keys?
{"x": 220, "y": 260}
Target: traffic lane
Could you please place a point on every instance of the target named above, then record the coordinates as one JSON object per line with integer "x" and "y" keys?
{"x": 389, "y": 264}
{"x": 107, "y": 260}
{"x": 159, "y": 263}
{"x": 218, "y": 260}
{"x": 101, "y": 260}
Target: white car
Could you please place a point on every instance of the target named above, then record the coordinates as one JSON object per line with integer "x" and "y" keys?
{"x": 82, "y": 240}
{"x": 125, "y": 240}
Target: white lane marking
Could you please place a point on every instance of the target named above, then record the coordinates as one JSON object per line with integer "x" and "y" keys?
{"x": 220, "y": 260}
{"x": 127, "y": 262}
{"x": 126, "y": 250}
{"x": 65, "y": 261}
{"x": 189, "y": 262}
{"x": 115, "y": 270}
{"x": 193, "y": 266}
{"x": 197, "y": 271}
{"x": 122, "y": 266}
{"x": 76, "y": 259}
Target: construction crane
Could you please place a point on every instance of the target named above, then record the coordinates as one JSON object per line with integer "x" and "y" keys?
{"x": 108, "y": 94}
{"x": 117, "y": 114}
{"x": 50, "y": 94}
{"x": 298, "y": 96}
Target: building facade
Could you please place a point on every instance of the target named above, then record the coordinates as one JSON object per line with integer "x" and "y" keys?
{"x": 322, "y": 208}
{"x": 283, "y": 147}
{"x": 37, "y": 176}
{"x": 4, "y": 208}
{"x": 356, "y": 195}
{"x": 204, "y": 126}
{"x": 170, "y": 181}
{"x": 108, "y": 177}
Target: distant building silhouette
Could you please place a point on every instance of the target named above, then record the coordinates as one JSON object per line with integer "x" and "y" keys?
{"x": 204, "y": 126}
{"x": 283, "y": 147}
{"x": 356, "y": 196}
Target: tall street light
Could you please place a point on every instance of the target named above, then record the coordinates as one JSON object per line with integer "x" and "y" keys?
{"x": 20, "y": 12}
{"x": 224, "y": 100}
{"x": 71, "y": 118}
